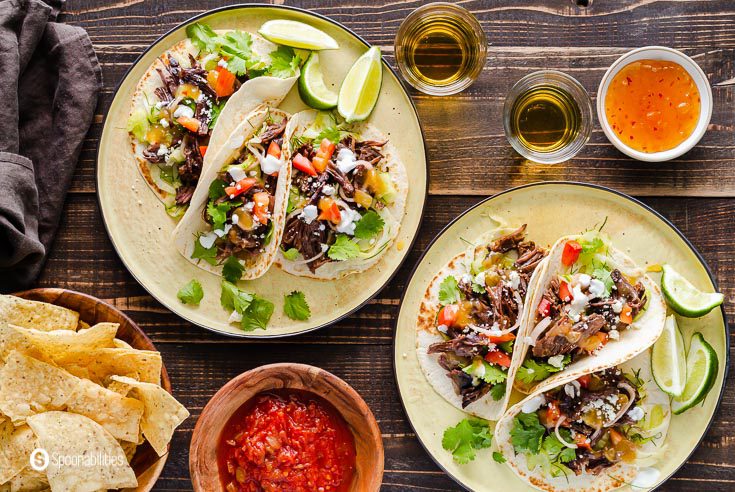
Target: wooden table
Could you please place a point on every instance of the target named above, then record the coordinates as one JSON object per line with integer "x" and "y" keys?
{"x": 469, "y": 159}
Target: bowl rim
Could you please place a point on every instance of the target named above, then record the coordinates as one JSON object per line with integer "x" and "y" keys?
{"x": 153, "y": 472}
{"x": 692, "y": 68}
{"x": 261, "y": 372}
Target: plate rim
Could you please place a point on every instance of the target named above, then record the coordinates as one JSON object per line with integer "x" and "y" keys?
{"x": 580, "y": 184}
{"x": 244, "y": 6}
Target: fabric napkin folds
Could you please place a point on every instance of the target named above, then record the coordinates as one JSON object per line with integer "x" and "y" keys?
{"x": 49, "y": 83}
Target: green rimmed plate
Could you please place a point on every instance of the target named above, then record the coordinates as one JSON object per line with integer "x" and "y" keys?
{"x": 140, "y": 229}
{"x": 552, "y": 210}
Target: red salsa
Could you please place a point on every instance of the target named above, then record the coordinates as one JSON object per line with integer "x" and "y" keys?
{"x": 286, "y": 440}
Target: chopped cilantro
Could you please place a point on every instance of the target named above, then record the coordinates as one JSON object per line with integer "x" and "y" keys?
{"x": 232, "y": 269}
{"x": 343, "y": 248}
{"x": 191, "y": 293}
{"x": 295, "y": 306}
{"x": 257, "y": 314}
{"x": 369, "y": 225}
{"x": 449, "y": 290}
{"x": 218, "y": 213}
{"x": 201, "y": 253}
{"x": 507, "y": 347}
{"x": 485, "y": 371}
{"x": 290, "y": 254}
{"x": 464, "y": 439}
{"x": 202, "y": 36}
{"x": 216, "y": 189}
{"x": 234, "y": 299}
{"x": 284, "y": 62}
{"x": 498, "y": 457}
{"x": 478, "y": 289}
{"x": 527, "y": 433}
{"x": 532, "y": 370}
{"x": 498, "y": 391}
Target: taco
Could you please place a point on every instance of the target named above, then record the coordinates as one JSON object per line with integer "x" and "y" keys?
{"x": 593, "y": 308}
{"x": 193, "y": 97}
{"x": 469, "y": 317}
{"x": 590, "y": 431}
{"x": 236, "y": 215}
{"x": 347, "y": 199}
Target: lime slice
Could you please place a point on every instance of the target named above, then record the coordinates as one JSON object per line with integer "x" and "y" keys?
{"x": 361, "y": 87}
{"x": 297, "y": 35}
{"x": 669, "y": 359}
{"x": 701, "y": 374}
{"x": 312, "y": 89}
{"x": 684, "y": 298}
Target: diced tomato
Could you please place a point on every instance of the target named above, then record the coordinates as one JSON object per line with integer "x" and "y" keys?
{"x": 552, "y": 412}
{"x": 240, "y": 187}
{"x": 222, "y": 81}
{"x": 565, "y": 292}
{"x": 203, "y": 150}
{"x": 191, "y": 124}
{"x": 274, "y": 149}
{"x": 498, "y": 357}
{"x": 262, "y": 203}
{"x": 502, "y": 338}
{"x": 544, "y": 307}
{"x": 448, "y": 315}
{"x": 326, "y": 149}
{"x": 582, "y": 442}
{"x": 584, "y": 381}
{"x": 329, "y": 211}
{"x": 626, "y": 314}
{"x": 570, "y": 253}
{"x": 304, "y": 165}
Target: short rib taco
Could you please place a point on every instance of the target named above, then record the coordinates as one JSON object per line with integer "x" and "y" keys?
{"x": 236, "y": 215}
{"x": 593, "y": 308}
{"x": 592, "y": 431}
{"x": 469, "y": 320}
{"x": 191, "y": 99}
{"x": 347, "y": 199}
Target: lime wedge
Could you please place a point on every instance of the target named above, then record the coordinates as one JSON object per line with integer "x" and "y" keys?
{"x": 669, "y": 359}
{"x": 361, "y": 87}
{"x": 312, "y": 89}
{"x": 702, "y": 367}
{"x": 684, "y": 298}
{"x": 297, "y": 35}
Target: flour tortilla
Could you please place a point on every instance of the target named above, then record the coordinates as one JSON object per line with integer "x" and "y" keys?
{"x": 193, "y": 221}
{"x": 635, "y": 339}
{"x": 619, "y": 474}
{"x": 251, "y": 94}
{"x": 427, "y": 334}
{"x": 338, "y": 269}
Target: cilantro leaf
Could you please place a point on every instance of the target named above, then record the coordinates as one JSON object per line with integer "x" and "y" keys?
{"x": 604, "y": 275}
{"x": 295, "y": 306}
{"x": 343, "y": 249}
{"x": 526, "y": 433}
{"x": 218, "y": 213}
{"x": 257, "y": 314}
{"x": 369, "y": 225}
{"x": 234, "y": 299}
{"x": 216, "y": 189}
{"x": 478, "y": 289}
{"x": 290, "y": 254}
{"x": 330, "y": 133}
{"x": 507, "y": 347}
{"x": 284, "y": 62}
{"x": 464, "y": 439}
{"x": 498, "y": 457}
{"x": 202, "y": 36}
{"x": 201, "y": 253}
{"x": 498, "y": 391}
{"x": 232, "y": 269}
{"x": 489, "y": 373}
{"x": 191, "y": 293}
{"x": 448, "y": 290}
{"x": 532, "y": 371}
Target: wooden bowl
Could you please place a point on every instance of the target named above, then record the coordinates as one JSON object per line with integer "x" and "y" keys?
{"x": 368, "y": 441}
{"x": 146, "y": 463}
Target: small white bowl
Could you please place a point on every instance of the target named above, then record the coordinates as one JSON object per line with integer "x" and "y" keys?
{"x": 667, "y": 54}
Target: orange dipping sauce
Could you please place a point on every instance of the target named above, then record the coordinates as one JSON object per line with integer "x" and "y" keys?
{"x": 652, "y": 105}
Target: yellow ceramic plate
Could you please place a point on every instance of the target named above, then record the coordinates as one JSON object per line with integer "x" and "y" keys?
{"x": 552, "y": 210}
{"x": 140, "y": 229}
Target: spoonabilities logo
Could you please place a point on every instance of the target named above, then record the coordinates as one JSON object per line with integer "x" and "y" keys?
{"x": 39, "y": 460}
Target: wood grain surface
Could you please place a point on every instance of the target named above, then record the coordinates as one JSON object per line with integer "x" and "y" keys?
{"x": 469, "y": 159}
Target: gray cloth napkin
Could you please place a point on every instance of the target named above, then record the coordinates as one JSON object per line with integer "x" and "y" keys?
{"x": 49, "y": 83}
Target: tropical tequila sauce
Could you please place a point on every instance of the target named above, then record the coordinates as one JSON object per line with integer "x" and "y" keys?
{"x": 652, "y": 105}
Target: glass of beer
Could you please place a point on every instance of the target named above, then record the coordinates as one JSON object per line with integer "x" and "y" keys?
{"x": 440, "y": 49}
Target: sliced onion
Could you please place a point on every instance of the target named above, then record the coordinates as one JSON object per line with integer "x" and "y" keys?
{"x": 256, "y": 152}
{"x": 539, "y": 329}
{"x": 631, "y": 397}
{"x": 304, "y": 262}
{"x": 345, "y": 198}
{"x": 558, "y": 434}
{"x": 293, "y": 214}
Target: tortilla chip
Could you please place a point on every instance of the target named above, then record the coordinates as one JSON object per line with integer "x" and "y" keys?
{"x": 12, "y": 338}
{"x": 69, "y": 434}
{"x": 120, "y": 416}
{"x": 29, "y": 386}
{"x": 117, "y": 343}
{"x": 16, "y": 446}
{"x": 99, "y": 364}
{"x": 162, "y": 415}
{"x": 28, "y": 480}
{"x": 57, "y": 342}
{"x": 38, "y": 315}
{"x": 82, "y": 325}
{"x": 129, "y": 448}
